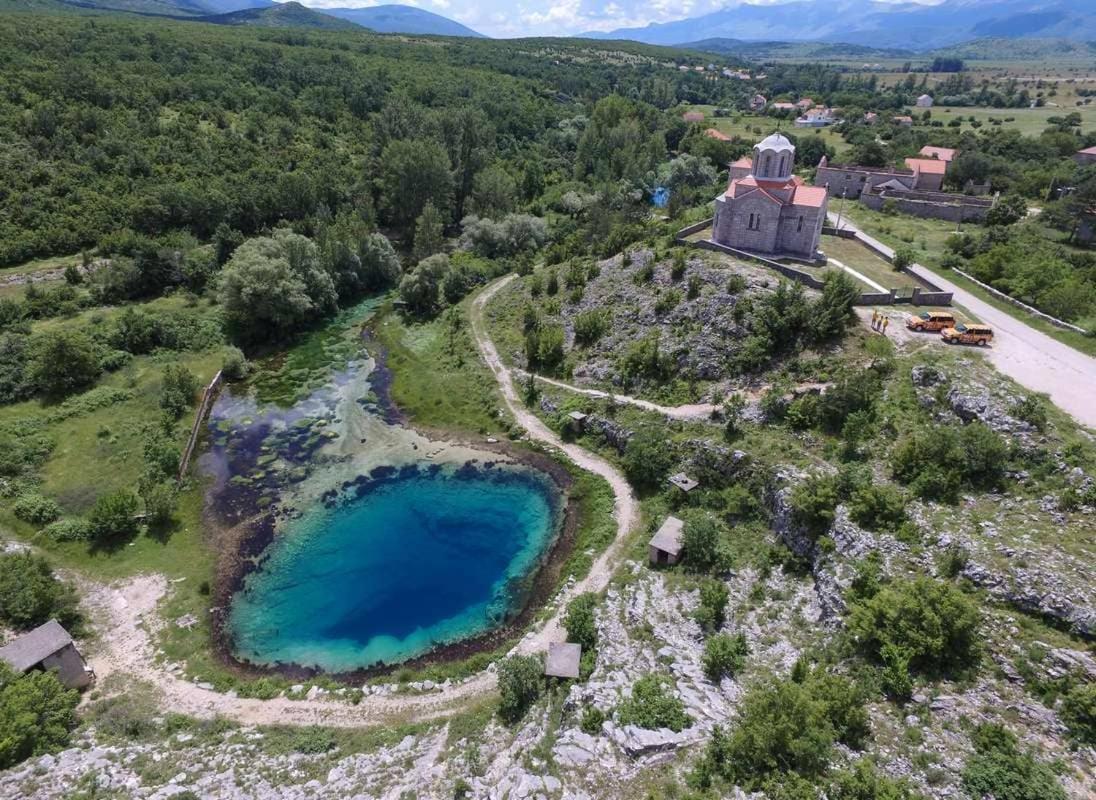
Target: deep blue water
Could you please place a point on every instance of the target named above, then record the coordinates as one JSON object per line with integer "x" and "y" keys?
{"x": 415, "y": 562}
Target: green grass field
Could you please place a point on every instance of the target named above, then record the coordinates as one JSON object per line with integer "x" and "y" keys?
{"x": 754, "y": 127}
{"x": 854, "y": 255}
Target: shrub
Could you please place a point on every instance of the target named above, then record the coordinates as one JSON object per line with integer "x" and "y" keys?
{"x": 177, "y": 390}
{"x": 521, "y": 680}
{"x": 30, "y": 594}
{"x": 114, "y": 515}
{"x": 68, "y": 530}
{"x": 724, "y": 655}
{"x": 931, "y": 621}
{"x": 878, "y": 508}
{"x": 903, "y": 258}
{"x": 647, "y": 459}
{"x": 712, "y": 611}
{"x": 235, "y": 366}
{"x": 592, "y": 719}
{"x": 1032, "y": 411}
{"x": 937, "y": 462}
{"x": 37, "y": 714}
{"x": 813, "y": 503}
{"x": 36, "y": 509}
{"x": 1079, "y": 713}
{"x": 667, "y": 302}
{"x": 61, "y": 361}
{"x": 863, "y": 782}
{"x": 590, "y": 326}
{"x": 652, "y": 707}
{"x": 999, "y": 769}
{"x": 677, "y": 268}
{"x": 702, "y": 544}
{"x": 736, "y": 284}
{"x": 579, "y": 621}
{"x": 695, "y": 286}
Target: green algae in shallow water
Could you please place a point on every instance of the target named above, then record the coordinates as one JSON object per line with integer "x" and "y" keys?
{"x": 417, "y": 562}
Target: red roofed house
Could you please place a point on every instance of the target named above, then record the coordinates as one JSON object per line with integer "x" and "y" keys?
{"x": 693, "y": 116}
{"x": 720, "y": 135}
{"x": 805, "y": 103}
{"x": 757, "y": 102}
{"x": 769, "y": 210}
{"x": 945, "y": 154}
{"x": 1086, "y": 156}
{"x": 783, "y": 106}
{"x": 903, "y": 120}
{"x": 928, "y": 173}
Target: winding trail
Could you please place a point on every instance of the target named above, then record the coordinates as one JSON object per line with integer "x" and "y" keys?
{"x": 690, "y": 411}
{"x": 130, "y": 619}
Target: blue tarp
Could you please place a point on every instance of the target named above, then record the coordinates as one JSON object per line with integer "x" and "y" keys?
{"x": 660, "y": 197}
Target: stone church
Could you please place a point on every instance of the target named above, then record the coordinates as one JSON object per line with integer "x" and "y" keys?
{"x": 768, "y": 210}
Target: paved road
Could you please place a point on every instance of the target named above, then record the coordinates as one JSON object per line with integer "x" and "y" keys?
{"x": 1028, "y": 356}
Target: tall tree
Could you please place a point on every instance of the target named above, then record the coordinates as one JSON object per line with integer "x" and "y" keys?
{"x": 413, "y": 172}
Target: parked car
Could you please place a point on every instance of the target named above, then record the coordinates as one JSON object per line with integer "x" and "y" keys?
{"x": 968, "y": 334}
{"x": 930, "y": 321}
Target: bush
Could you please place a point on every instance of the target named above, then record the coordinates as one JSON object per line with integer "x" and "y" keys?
{"x": 579, "y": 621}
{"x": 30, "y": 594}
{"x": 937, "y": 462}
{"x": 878, "y": 508}
{"x": 521, "y": 680}
{"x": 647, "y": 459}
{"x": 114, "y": 515}
{"x": 1032, "y": 411}
{"x": 702, "y": 543}
{"x": 68, "y": 530}
{"x": 713, "y": 605}
{"x": 592, "y": 719}
{"x": 37, "y": 714}
{"x": 862, "y": 782}
{"x": 724, "y": 655}
{"x": 650, "y": 706}
{"x": 590, "y": 326}
{"x": 177, "y": 390}
{"x": 813, "y": 503}
{"x": 1079, "y": 713}
{"x": 1000, "y": 770}
{"x": 61, "y": 361}
{"x": 235, "y": 366}
{"x": 36, "y": 509}
{"x": 932, "y": 622}
{"x": 903, "y": 258}
{"x": 677, "y": 268}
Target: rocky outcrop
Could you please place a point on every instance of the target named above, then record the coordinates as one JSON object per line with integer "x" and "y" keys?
{"x": 1025, "y": 590}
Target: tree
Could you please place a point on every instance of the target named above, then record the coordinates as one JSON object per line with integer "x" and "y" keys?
{"x": 31, "y": 594}
{"x": 869, "y": 153}
{"x": 810, "y": 149}
{"x": 1008, "y": 210}
{"x": 579, "y": 621}
{"x": 930, "y": 620}
{"x": 380, "y": 266}
{"x": 114, "y": 515}
{"x": 701, "y": 542}
{"x": 712, "y": 612}
{"x": 494, "y": 192}
{"x": 833, "y": 313}
{"x": 414, "y": 172}
{"x": 521, "y": 680}
{"x": 37, "y": 714}
{"x": 177, "y": 389}
{"x": 429, "y": 233}
{"x": 724, "y": 655}
{"x": 275, "y": 285}
{"x": 61, "y": 361}
{"x": 1079, "y": 712}
{"x": 647, "y": 459}
{"x": 733, "y": 409}
{"x": 903, "y": 258}
{"x": 419, "y": 289}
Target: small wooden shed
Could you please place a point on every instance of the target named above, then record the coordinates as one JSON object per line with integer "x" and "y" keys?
{"x": 666, "y": 545}
{"x": 563, "y": 660}
{"x": 577, "y": 421}
{"x": 47, "y": 647}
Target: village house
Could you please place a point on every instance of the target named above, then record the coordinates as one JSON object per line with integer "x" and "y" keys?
{"x": 666, "y": 545}
{"x": 815, "y": 118}
{"x": 693, "y": 116}
{"x": 769, "y": 210}
{"x": 1086, "y": 156}
{"x": 783, "y": 106}
{"x": 757, "y": 102}
{"x": 904, "y": 121}
{"x": 48, "y": 647}
{"x": 870, "y": 117}
{"x": 924, "y": 101}
{"x": 945, "y": 154}
{"x": 804, "y": 104}
{"x": 712, "y": 133}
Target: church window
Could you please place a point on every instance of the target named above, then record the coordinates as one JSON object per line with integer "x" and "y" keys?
{"x": 765, "y": 164}
{"x": 750, "y": 223}
{"x": 799, "y": 225}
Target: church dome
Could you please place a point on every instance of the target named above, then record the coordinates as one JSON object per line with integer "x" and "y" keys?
{"x": 776, "y": 141}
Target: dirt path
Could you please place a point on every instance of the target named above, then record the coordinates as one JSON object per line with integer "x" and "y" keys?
{"x": 1030, "y": 357}
{"x": 130, "y": 619}
{"x": 691, "y": 411}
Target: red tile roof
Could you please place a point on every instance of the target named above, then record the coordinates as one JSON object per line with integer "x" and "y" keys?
{"x": 812, "y": 196}
{"x": 720, "y": 135}
{"x": 1088, "y": 151}
{"x": 693, "y": 116}
{"x": 929, "y": 166}
{"x": 745, "y": 161}
{"x": 942, "y": 153}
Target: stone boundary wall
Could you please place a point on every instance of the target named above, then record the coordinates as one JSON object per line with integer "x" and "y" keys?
{"x": 928, "y": 209}
{"x": 840, "y": 233}
{"x": 1058, "y": 323}
{"x": 697, "y": 227}
{"x": 208, "y": 396}
{"x": 783, "y": 269}
{"x": 845, "y": 233}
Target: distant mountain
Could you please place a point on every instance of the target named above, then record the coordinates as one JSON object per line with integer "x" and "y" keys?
{"x": 227, "y": 6}
{"x": 793, "y": 50}
{"x": 167, "y": 8}
{"x": 402, "y": 19}
{"x": 876, "y": 24}
{"x": 282, "y": 15}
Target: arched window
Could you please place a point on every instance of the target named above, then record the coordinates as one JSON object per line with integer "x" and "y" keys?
{"x": 751, "y": 222}
{"x": 799, "y": 226}
{"x": 765, "y": 164}
{"x": 782, "y": 158}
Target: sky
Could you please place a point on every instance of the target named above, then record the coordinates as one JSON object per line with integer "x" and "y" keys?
{"x": 507, "y": 18}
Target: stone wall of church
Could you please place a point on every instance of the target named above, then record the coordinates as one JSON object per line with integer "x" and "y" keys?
{"x": 800, "y": 240}
{"x": 732, "y": 226}
{"x": 854, "y": 180}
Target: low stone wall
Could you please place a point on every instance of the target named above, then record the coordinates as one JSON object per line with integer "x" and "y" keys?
{"x": 930, "y": 209}
{"x": 840, "y": 233}
{"x": 697, "y": 227}
{"x": 876, "y": 299}
{"x": 783, "y": 269}
{"x": 1058, "y": 323}
{"x": 208, "y": 397}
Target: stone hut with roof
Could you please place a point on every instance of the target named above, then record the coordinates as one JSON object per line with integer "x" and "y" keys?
{"x": 768, "y": 210}
{"x": 48, "y": 647}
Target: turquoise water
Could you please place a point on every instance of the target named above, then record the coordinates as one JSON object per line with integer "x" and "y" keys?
{"x": 414, "y": 562}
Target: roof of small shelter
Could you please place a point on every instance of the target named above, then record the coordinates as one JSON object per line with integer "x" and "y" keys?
{"x": 30, "y": 648}
{"x": 668, "y": 537}
{"x": 562, "y": 660}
